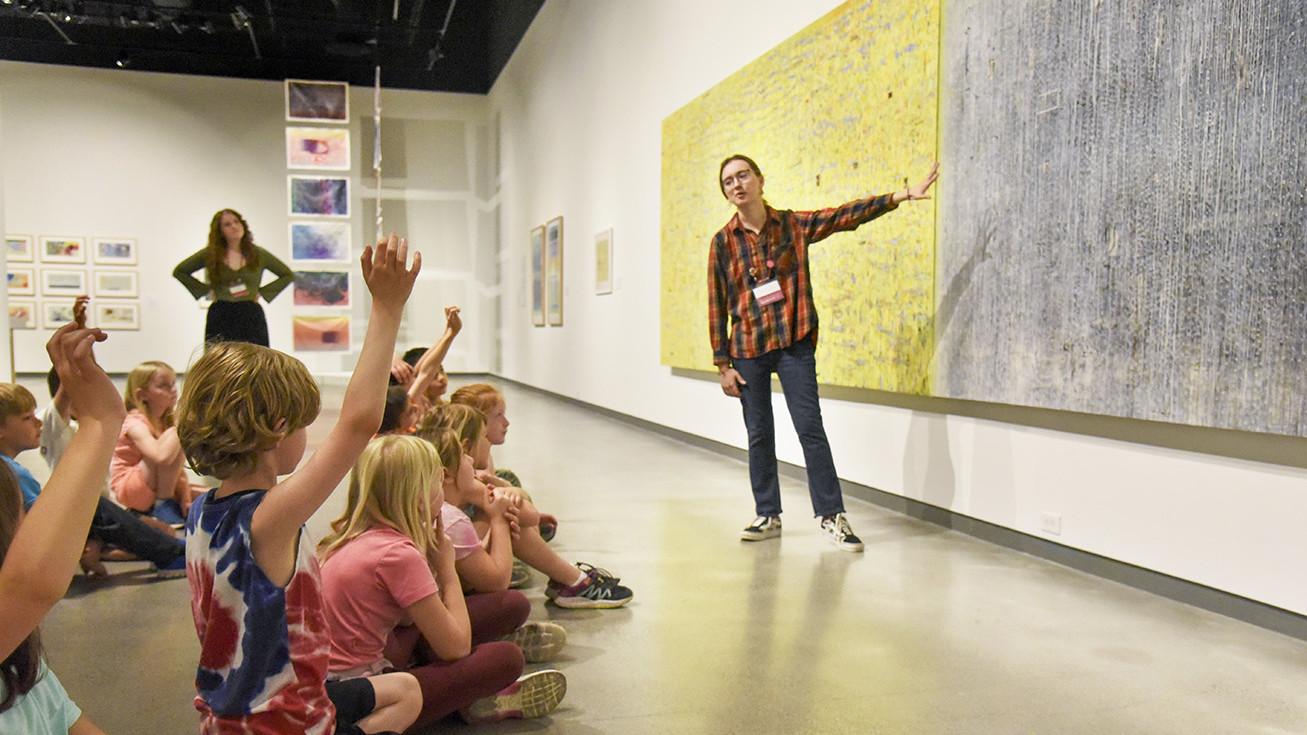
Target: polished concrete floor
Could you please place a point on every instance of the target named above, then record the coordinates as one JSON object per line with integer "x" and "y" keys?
{"x": 929, "y": 631}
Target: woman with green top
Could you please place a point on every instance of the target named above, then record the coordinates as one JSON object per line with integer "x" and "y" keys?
{"x": 233, "y": 266}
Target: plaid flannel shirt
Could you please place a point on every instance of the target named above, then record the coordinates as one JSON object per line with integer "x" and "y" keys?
{"x": 738, "y": 261}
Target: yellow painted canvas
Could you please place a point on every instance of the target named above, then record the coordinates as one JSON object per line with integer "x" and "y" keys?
{"x": 843, "y": 109}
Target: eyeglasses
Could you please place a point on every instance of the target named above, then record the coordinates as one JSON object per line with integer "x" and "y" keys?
{"x": 741, "y": 177}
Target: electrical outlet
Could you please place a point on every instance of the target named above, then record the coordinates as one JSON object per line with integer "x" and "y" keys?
{"x": 1051, "y": 523}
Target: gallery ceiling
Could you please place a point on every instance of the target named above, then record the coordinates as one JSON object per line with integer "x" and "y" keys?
{"x": 436, "y": 45}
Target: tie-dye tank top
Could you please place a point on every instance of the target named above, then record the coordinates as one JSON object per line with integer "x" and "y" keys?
{"x": 263, "y": 648}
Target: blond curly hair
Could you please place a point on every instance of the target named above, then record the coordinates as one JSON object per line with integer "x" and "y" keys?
{"x": 239, "y": 400}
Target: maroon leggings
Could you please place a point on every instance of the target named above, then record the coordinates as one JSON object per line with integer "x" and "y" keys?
{"x": 449, "y": 686}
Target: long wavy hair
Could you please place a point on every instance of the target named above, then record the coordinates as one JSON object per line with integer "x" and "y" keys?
{"x": 389, "y": 486}
{"x": 216, "y": 252}
{"x": 21, "y": 668}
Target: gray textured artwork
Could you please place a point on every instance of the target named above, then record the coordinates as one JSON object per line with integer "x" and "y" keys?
{"x": 1123, "y": 215}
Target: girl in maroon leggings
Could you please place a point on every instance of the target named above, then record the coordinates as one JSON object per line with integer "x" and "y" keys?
{"x": 393, "y": 599}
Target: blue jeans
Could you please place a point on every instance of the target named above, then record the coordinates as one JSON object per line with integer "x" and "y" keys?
{"x": 796, "y": 366}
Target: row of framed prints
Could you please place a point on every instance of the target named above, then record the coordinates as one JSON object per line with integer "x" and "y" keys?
{"x": 547, "y": 270}
{"x": 54, "y": 313}
{"x": 72, "y": 250}
{"x": 54, "y": 282}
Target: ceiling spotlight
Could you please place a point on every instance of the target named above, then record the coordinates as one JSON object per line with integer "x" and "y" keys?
{"x": 124, "y": 59}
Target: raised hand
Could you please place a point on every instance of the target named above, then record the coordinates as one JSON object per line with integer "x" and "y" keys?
{"x": 91, "y": 394}
{"x": 387, "y": 273}
{"x": 453, "y": 323}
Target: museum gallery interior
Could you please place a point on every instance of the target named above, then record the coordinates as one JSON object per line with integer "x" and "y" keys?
{"x": 1064, "y": 395}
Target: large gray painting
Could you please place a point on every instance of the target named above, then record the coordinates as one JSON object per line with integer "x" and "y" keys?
{"x": 1122, "y": 209}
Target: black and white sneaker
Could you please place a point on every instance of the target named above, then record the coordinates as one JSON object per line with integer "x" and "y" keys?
{"x": 836, "y": 528}
{"x": 763, "y": 527}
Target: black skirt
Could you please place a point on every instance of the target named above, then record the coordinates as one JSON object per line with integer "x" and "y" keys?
{"x": 236, "y": 321}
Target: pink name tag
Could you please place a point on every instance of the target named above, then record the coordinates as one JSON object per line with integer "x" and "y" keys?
{"x": 768, "y": 293}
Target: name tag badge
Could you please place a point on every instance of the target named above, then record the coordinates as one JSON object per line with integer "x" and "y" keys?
{"x": 238, "y": 290}
{"x": 768, "y": 292}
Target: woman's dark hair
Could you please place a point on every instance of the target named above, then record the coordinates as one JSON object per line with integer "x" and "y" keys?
{"x": 736, "y": 157}
{"x": 20, "y": 669}
{"x": 216, "y": 251}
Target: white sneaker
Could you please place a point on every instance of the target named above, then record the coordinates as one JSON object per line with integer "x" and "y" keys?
{"x": 539, "y": 640}
{"x": 763, "y": 527}
{"x": 836, "y": 528}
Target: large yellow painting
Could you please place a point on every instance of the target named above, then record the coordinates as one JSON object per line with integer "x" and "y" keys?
{"x": 843, "y": 109}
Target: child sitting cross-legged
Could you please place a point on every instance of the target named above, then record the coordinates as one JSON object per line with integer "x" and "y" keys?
{"x": 571, "y": 586}
{"x": 255, "y": 583}
{"x": 147, "y": 473}
{"x": 389, "y": 563}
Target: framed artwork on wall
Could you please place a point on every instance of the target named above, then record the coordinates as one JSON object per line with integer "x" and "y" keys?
{"x": 320, "y": 333}
{"x": 317, "y": 101}
{"x": 604, "y": 262}
{"x": 321, "y": 241}
{"x": 113, "y": 250}
{"x": 18, "y": 248}
{"x": 325, "y": 148}
{"x": 117, "y": 315}
{"x": 554, "y": 271}
{"x": 321, "y": 196}
{"x": 56, "y": 313}
{"x": 57, "y": 249}
{"x": 321, "y": 288}
{"x": 22, "y": 314}
{"x": 21, "y": 281}
{"x": 537, "y": 276}
{"x": 63, "y": 282}
{"x": 115, "y": 284}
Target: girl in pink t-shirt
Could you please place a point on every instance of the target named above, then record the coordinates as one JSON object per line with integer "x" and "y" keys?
{"x": 147, "y": 474}
{"x": 388, "y": 576}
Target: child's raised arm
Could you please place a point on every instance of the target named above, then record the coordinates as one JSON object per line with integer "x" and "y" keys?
{"x": 275, "y": 525}
{"x": 43, "y": 555}
{"x": 429, "y": 363}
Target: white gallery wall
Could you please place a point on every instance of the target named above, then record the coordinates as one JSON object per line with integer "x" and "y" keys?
{"x": 93, "y": 152}
{"x": 579, "y": 109}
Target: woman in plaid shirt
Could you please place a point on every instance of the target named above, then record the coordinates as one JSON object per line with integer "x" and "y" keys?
{"x": 762, "y": 320}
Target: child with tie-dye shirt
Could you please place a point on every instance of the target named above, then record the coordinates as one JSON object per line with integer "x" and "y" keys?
{"x": 255, "y": 585}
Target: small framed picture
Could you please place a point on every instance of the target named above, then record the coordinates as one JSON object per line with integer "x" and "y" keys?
{"x": 22, "y": 314}
{"x": 326, "y": 148}
{"x": 604, "y": 262}
{"x": 317, "y": 101}
{"x": 56, "y": 312}
{"x": 317, "y": 195}
{"x": 113, "y": 251}
{"x": 321, "y": 333}
{"x": 19, "y": 248}
{"x": 61, "y": 282}
{"x": 322, "y": 241}
{"x": 117, "y": 315}
{"x": 321, "y": 288}
{"x": 554, "y": 271}
{"x": 537, "y": 276}
{"x": 22, "y": 281}
{"x": 58, "y": 249}
{"x": 115, "y": 284}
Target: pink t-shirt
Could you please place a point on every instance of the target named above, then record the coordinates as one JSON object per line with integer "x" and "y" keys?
{"x": 462, "y": 534}
{"x": 366, "y": 585}
{"x": 126, "y": 462}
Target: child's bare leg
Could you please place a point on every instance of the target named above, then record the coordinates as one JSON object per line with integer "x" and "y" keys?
{"x": 532, "y": 549}
{"x": 166, "y": 477}
{"x": 399, "y": 700}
